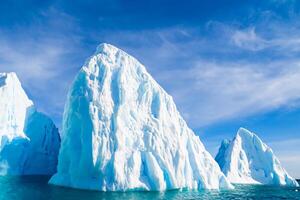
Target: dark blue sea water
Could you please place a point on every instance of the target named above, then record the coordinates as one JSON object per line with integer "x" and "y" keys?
{"x": 36, "y": 187}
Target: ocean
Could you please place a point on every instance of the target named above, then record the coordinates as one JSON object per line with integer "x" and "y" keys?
{"x": 36, "y": 188}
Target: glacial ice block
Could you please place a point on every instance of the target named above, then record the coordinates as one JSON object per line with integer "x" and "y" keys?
{"x": 247, "y": 160}
{"x": 122, "y": 131}
{"x": 29, "y": 140}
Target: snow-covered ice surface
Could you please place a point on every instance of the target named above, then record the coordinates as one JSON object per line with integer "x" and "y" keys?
{"x": 122, "y": 131}
{"x": 247, "y": 160}
{"x": 29, "y": 140}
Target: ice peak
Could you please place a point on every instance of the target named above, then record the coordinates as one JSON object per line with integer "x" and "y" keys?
{"x": 11, "y": 87}
{"x": 109, "y": 60}
{"x": 243, "y": 133}
{"x": 105, "y": 47}
{"x": 107, "y": 50}
{"x": 3, "y": 76}
{"x": 8, "y": 75}
{"x": 225, "y": 143}
{"x": 6, "y": 78}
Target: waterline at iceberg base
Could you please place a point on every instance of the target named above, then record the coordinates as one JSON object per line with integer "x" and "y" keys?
{"x": 36, "y": 187}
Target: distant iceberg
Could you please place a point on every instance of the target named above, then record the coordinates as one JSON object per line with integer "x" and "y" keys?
{"x": 29, "y": 140}
{"x": 247, "y": 160}
{"x": 122, "y": 131}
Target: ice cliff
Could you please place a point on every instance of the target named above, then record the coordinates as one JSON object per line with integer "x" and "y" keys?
{"x": 247, "y": 160}
{"x": 29, "y": 140}
{"x": 122, "y": 131}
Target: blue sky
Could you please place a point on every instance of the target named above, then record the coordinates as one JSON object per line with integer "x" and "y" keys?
{"x": 227, "y": 63}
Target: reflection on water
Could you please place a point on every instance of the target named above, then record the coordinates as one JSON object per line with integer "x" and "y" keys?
{"x": 36, "y": 187}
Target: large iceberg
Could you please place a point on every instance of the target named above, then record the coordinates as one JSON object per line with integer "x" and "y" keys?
{"x": 122, "y": 131}
{"x": 29, "y": 140}
{"x": 247, "y": 160}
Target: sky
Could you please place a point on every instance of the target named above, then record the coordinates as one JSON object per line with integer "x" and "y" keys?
{"x": 227, "y": 63}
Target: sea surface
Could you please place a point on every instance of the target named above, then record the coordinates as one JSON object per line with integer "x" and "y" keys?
{"x": 36, "y": 188}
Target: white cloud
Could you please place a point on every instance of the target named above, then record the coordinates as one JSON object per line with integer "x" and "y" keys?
{"x": 212, "y": 92}
{"x": 248, "y": 39}
{"x": 278, "y": 38}
{"x": 32, "y": 59}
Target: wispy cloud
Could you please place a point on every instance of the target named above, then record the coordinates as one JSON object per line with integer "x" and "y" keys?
{"x": 220, "y": 91}
{"x": 248, "y": 39}
{"x": 42, "y": 61}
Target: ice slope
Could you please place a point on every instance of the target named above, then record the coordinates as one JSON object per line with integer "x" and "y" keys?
{"x": 29, "y": 141}
{"x": 247, "y": 160}
{"x": 122, "y": 131}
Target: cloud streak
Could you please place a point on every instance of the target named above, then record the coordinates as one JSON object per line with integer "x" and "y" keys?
{"x": 249, "y": 40}
{"x": 221, "y": 91}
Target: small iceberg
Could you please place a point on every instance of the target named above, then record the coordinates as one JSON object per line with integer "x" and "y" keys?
{"x": 29, "y": 140}
{"x": 247, "y": 160}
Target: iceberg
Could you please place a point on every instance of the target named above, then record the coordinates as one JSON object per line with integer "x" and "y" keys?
{"x": 247, "y": 160}
{"x": 29, "y": 140}
{"x": 122, "y": 131}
